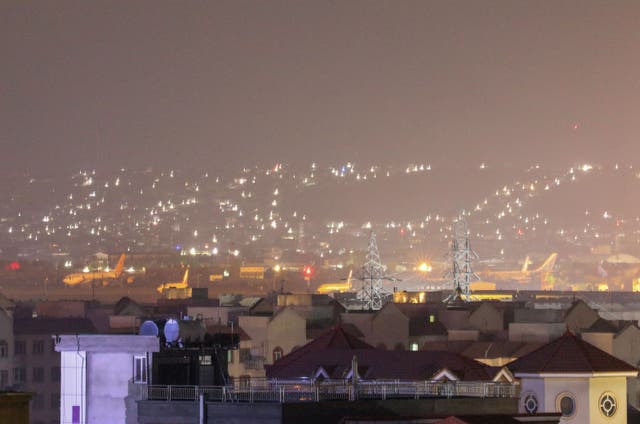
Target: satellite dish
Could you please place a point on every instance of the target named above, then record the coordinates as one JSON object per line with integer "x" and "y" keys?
{"x": 148, "y": 328}
{"x": 171, "y": 330}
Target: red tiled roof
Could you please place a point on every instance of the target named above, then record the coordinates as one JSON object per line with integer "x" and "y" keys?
{"x": 568, "y": 354}
{"x": 376, "y": 364}
{"x": 334, "y": 338}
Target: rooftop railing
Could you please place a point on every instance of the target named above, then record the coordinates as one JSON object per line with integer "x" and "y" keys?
{"x": 308, "y": 391}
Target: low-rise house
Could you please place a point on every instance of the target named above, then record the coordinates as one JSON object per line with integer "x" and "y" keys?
{"x": 575, "y": 378}
{"x": 6, "y": 349}
{"x": 37, "y": 363}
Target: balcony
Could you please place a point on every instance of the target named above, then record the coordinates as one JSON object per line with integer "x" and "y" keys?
{"x": 307, "y": 391}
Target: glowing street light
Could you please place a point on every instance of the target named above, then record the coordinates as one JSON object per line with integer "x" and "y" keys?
{"x": 425, "y": 267}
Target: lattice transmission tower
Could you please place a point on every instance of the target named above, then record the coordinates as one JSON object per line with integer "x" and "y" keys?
{"x": 461, "y": 256}
{"x": 373, "y": 272}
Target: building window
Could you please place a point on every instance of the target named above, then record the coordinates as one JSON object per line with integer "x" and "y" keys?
{"x": 19, "y": 375}
{"x": 140, "y": 369}
{"x": 413, "y": 347}
{"x": 4, "y": 378}
{"x": 230, "y": 356}
{"x": 55, "y": 401}
{"x": 566, "y": 404}
{"x": 432, "y": 319}
{"x": 608, "y": 404}
{"x": 55, "y": 373}
{"x": 20, "y": 347}
{"x": 530, "y": 403}
{"x": 277, "y": 353}
{"x": 245, "y": 354}
{"x": 4, "y": 349}
{"x": 37, "y": 401}
{"x": 38, "y": 374}
{"x": 38, "y": 347}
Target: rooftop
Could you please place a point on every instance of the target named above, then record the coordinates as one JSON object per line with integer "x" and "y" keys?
{"x": 569, "y": 355}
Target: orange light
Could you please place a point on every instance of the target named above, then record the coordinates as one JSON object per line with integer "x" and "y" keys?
{"x": 307, "y": 271}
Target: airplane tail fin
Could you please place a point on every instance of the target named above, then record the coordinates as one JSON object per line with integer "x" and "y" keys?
{"x": 185, "y": 279}
{"x": 525, "y": 265}
{"x": 120, "y": 265}
{"x": 548, "y": 265}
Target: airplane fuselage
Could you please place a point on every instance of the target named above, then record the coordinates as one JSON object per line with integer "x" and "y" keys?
{"x": 87, "y": 277}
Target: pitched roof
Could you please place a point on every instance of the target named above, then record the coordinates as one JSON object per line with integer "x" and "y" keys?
{"x": 569, "y": 355}
{"x": 625, "y": 328}
{"x": 377, "y": 364}
{"x": 601, "y": 325}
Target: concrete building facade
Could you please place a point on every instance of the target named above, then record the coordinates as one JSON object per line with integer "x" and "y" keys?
{"x": 102, "y": 376}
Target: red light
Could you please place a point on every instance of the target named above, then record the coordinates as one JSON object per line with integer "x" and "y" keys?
{"x": 12, "y": 266}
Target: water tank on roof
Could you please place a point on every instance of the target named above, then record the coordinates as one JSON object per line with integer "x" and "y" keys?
{"x": 171, "y": 330}
{"x": 148, "y": 328}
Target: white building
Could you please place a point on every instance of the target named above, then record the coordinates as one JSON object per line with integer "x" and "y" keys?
{"x": 102, "y": 375}
{"x": 570, "y": 376}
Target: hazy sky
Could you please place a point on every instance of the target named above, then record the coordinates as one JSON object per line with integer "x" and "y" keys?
{"x": 200, "y": 83}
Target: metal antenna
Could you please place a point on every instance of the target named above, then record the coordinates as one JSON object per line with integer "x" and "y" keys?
{"x": 371, "y": 294}
{"x": 461, "y": 254}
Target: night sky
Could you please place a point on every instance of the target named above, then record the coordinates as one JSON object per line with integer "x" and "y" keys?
{"x": 216, "y": 83}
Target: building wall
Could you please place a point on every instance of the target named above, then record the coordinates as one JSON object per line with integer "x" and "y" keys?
{"x": 578, "y": 388}
{"x": 6, "y": 337}
{"x": 535, "y": 332}
{"x": 626, "y": 345}
{"x": 603, "y": 341}
{"x": 362, "y": 321}
{"x": 390, "y": 327}
{"x": 580, "y": 316}
{"x": 98, "y": 376}
{"x": 614, "y": 385}
{"x": 487, "y": 318}
{"x": 255, "y": 327}
{"x": 61, "y": 309}
{"x": 455, "y": 335}
{"x": 286, "y": 331}
{"x": 213, "y": 315}
{"x": 534, "y": 386}
{"x": 72, "y": 383}
{"x": 238, "y": 368}
{"x": 45, "y": 404}
{"x": 161, "y": 412}
{"x": 108, "y": 386}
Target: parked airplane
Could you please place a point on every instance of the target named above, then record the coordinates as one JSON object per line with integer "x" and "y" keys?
{"x": 336, "y": 287}
{"x": 179, "y": 285}
{"x": 103, "y": 276}
{"x": 524, "y": 276}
